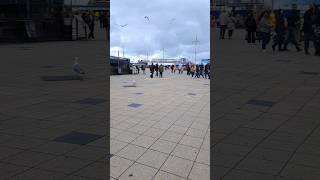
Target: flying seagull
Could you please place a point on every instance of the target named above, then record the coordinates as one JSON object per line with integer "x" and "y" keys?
{"x": 124, "y": 25}
{"x": 147, "y": 18}
{"x": 76, "y": 67}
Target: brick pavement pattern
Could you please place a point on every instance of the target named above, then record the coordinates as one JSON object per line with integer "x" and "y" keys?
{"x": 36, "y": 115}
{"x": 167, "y": 136}
{"x": 266, "y": 113}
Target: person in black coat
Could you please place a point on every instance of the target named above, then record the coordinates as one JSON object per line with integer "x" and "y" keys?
{"x": 156, "y": 68}
{"x": 311, "y": 20}
{"x": 251, "y": 27}
{"x": 151, "y": 70}
{"x": 293, "y": 26}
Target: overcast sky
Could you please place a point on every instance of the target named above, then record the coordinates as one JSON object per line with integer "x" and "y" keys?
{"x": 173, "y": 26}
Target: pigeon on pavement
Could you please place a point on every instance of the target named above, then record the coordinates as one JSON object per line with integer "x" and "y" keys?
{"x": 76, "y": 67}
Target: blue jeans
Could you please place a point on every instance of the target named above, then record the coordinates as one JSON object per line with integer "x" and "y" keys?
{"x": 291, "y": 37}
{"x": 266, "y": 37}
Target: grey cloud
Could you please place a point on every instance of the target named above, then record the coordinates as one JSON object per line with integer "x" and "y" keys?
{"x": 176, "y": 36}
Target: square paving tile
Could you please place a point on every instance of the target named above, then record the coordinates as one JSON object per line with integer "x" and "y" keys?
{"x": 171, "y": 136}
{"x": 64, "y": 164}
{"x": 138, "y": 172}
{"x": 163, "y": 146}
{"x": 261, "y": 166}
{"x": 78, "y": 138}
{"x": 309, "y": 73}
{"x": 261, "y": 103}
{"x": 144, "y": 141}
{"x": 134, "y": 105}
{"x": 177, "y": 166}
{"x": 34, "y": 174}
{"x": 28, "y": 158}
{"x": 153, "y": 158}
{"x": 191, "y": 141}
{"x": 91, "y": 101}
{"x": 8, "y": 170}
{"x": 131, "y": 152}
{"x": 162, "y": 175}
{"x": 185, "y": 152}
{"x": 96, "y": 170}
{"x": 118, "y": 165}
{"x": 200, "y": 172}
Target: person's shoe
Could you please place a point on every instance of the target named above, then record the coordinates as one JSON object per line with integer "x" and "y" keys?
{"x": 264, "y": 51}
{"x": 306, "y": 52}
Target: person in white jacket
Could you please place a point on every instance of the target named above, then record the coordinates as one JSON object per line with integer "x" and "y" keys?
{"x": 223, "y": 21}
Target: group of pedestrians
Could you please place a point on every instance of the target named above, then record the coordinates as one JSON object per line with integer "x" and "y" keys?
{"x": 281, "y": 30}
{"x": 195, "y": 70}
{"x": 227, "y": 22}
{"x": 156, "y": 69}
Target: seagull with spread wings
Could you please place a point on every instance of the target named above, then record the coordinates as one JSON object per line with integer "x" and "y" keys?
{"x": 124, "y": 25}
{"x": 146, "y": 17}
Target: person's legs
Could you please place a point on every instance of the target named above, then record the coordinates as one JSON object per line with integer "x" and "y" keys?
{"x": 295, "y": 39}
{"x": 229, "y": 33}
{"x": 253, "y": 37}
{"x": 306, "y": 43}
{"x": 222, "y": 31}
{"x": 264, "y": 40}
{"x": 248, "y": 37}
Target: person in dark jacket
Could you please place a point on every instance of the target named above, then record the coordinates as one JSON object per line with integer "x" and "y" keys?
{"x": 251, "y": 27}
{"x": 206, "y": 70}
{"x": 156, "y": 68}
{"x": 293, "y": 26}
{"x": 201, "y": 67}
{"x": 311, "y": 20}
{"x": 151, "y": 70}
{"x": 197, "y": 71}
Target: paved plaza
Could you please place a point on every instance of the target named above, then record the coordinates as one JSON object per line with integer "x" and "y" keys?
{"x": 266, "y": 113}
{"x": 160, "y": 128}
{"x": 53, "y": 130}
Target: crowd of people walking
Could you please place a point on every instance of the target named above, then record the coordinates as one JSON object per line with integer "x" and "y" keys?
{"x": 279, "y": 29}
{"x": 283, "y": 30}
{"x": 193, "y": 70}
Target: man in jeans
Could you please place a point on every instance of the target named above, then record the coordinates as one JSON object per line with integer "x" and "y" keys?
{"x": 293, "y": 26}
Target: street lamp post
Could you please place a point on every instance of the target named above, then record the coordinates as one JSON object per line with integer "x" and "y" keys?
{"x": 195, "y": 49}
